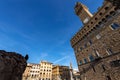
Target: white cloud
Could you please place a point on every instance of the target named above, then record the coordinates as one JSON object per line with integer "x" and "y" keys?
{"x": 61, "y": 59}
{"x": 68, "y": 57}
{"x": 43, "y": 55}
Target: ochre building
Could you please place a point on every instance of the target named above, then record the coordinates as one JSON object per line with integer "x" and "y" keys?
{"x": 60, "y": 72}
{"x": 45, "y": 70}
{"x": 26, "y": 75}
{"x": 97, "y": 43}
{"x": 42, "y": 71}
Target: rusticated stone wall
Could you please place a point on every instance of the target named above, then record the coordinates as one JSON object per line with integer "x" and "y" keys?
{"x": 115, "y": 2}
{"x": 12, "y": 65}
{"x": 102, "y": 69}
{"x": 107, "y": 68}
{"x": 97, "y": 47}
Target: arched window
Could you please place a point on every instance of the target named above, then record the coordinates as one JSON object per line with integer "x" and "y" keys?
{"x": 80, "y": 62}
{"x": 108, "y": 17}
{"x": 90, "y": 42}
{"x": 93, "y": 68}
{"x": 97, "y": 53}
{"x": 109, "y": 51}
{"x": 103, "y": 19}
{"x": 91, "y": 22}
{"x": 81, "y": 48}
{"x": 85, "y": 60}
{"x": 91, "y": 57}
{"x": 103, "y": 67}
{"x": 88, "y": 26}
{"x": 96, "y": 18}
{"x": 115, "y": 26}
{"x": 106, "y": 8}
{"x": 112, "y": 13}
{"x": 85, "y": 45}
{"x": 100, "y": 14}
{"x": 115, "y": 8}
{"x": 99, "y": 23}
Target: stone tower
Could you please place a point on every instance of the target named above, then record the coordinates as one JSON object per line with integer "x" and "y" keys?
{"x": 83, "y": 12}
{"x": 97, "y": 44}
{"x": 71, "y": 72}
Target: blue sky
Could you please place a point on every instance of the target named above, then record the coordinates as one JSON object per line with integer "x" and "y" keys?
{"x": 41, "y": 28}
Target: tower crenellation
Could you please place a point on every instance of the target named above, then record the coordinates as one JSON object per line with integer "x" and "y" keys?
{"x": 83, "y": 12}
{"x": 97, "y": 43}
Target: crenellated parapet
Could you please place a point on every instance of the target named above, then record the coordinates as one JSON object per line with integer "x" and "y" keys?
{"x": 115, "y": 2}
{"x": 97, "y": 20}
{"x": 97, "y": 44}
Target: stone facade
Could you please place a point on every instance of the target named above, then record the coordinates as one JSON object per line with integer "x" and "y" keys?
{"x": 12, "y": 65}
{"x": 97, "y": 44}
{"x": 60, "y": 72}
{"x": 26, "y": 74}
{"x": 76, "y": 75}
{"x": 115, "y": 2}
{"x": 83, "y": 12}
{"x": 101, "y": 69}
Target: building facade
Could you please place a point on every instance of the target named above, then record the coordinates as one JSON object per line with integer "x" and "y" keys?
{"x": 60, "y": 72}
{"x": 32, "y": 72}
{"x": 115, "y": 2}
{"x": 42, "y": 71}
{"x": 45, "y": 70}
{"x": 76, "y": 75}
{"x": 35, "y": 71}
{"x": 97, "y": 44}
{"x": 26, "y": 74}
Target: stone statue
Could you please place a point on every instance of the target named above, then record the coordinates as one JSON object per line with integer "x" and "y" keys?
{"x": 12, "y": 65}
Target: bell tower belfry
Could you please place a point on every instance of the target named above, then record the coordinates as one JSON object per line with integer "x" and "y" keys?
{"x": 83, "y": 12}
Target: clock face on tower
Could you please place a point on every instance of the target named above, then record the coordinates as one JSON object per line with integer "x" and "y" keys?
{"x": 86, "y": 20}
